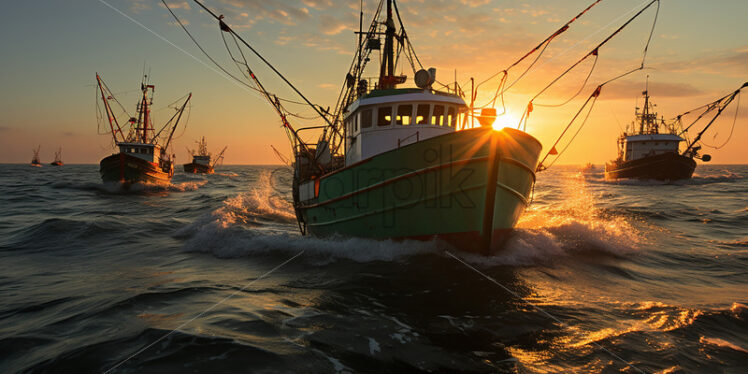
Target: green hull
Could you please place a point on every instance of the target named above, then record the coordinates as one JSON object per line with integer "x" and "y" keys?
{"x": 128, "y": 169}
{"x": 468, "y": 188}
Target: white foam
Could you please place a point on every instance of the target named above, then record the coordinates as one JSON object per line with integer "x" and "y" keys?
{"x": 565, "y": 228}
{"x": 262, "y": 222}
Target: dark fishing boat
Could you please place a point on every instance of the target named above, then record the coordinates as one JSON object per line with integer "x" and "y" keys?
{"x": 202, "y": 162}
{"x": 58, "y": 158}
{"x": 35, "y": 159}
{"x": 143, "y": 155}
{"x": 646, "y": 153}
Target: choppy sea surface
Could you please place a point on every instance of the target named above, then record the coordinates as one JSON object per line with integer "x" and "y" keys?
{"x": 211, "y": 275}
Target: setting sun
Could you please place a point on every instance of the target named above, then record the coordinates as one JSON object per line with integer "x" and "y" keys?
{"x": 507, "y": 119}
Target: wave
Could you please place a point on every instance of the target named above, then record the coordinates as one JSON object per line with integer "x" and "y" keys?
{"x": 568, "y": 227}
{"x": 135, "y": 188}
{"x": 262, "y": 221}
{"x": 696, "y": 180}
{"x": 57, "y": 232}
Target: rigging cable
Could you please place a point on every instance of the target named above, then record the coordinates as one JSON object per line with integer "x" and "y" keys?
{"x": 595, "y": 52}
{"x": 584, "y": 84}
{"x": 592, "y": 97}
{"x": 218, "y": 65}
{"x": 732, "y": 129}
{"x": 543, "y": 44}
{"x": 228, "y": 29}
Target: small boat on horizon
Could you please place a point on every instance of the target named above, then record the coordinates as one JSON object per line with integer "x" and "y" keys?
{"x": 143, "y": 155}
{"x": 58, "y": 158}
{"x": 202, "y": 162}
{"x": 35, "y": 159}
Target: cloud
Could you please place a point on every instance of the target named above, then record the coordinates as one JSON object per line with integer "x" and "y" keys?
{"x": 284, "y": 11}
{"x": 630, "y": 89}
{"x": 330, "y": 25}
{"x": 177, "y": 5}
{"x": 733, "y": 63}
{"x": 139, "y": 5}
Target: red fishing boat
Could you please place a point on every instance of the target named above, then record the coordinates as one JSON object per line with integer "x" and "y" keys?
{"x": 35, "y": 160}
{"x": 202, "y": 162}
{"x": 143, "y": 153}
{"x": 58, "y": 158}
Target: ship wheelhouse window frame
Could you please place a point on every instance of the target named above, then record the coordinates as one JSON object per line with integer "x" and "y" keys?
{"x": 422, "y": 118}
{"x": 437, "y": 119}
{"x": 404, "y": 115}
{"x": 367, "y": 119}
{"x": 451, "y": 118}
{"x": 382, "y": 120}
{"x": 355, "y": 122}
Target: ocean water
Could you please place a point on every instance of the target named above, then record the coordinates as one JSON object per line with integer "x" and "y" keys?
{"x": 210, "y": 275}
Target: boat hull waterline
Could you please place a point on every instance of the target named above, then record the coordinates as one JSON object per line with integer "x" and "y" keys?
{"x": 665, "y": 166}
{"x": 128, "y": 169}
{"x": 467, "y": 188}
{"x": 196, "y": 168}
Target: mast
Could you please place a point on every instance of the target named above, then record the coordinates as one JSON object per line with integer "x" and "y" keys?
{"x": 387, "y": 70}
{"x": 146, "y": 111}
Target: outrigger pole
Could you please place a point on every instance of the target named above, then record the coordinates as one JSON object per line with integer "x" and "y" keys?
{"x": 179, "y": 116}
{"x": 110, "y": 116}
{"x": 724, "y": 101}
{"x": 219, "y": 157}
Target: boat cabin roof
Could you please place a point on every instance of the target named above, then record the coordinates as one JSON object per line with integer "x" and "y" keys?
{"x": 654, "y": 137}
{"x": 405, "y": 95}
{"x": 140, "y": 145}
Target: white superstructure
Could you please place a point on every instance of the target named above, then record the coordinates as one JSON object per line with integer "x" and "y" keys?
{"x": 399, "y": 117}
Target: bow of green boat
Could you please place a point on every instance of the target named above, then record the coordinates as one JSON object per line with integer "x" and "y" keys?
{"x": 466, "y": 187}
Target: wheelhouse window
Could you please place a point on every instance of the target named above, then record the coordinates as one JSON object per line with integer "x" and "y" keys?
{"x": 355, "y": 122}
{"x": 366, "y": 119}
{"x": 404, "y": 115}
{"x": 451, "y": 117}
{"x": 437, "y": 118}
{"x": 422, "y": 114}
{"x": 384, "y": 116}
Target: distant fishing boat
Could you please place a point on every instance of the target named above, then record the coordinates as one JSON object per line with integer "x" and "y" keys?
{"x": 58, "y": 158}
{"x": 35, "y": 159}
{"x": 201, "y": 159}
{"x": 143, "y": 152}
{"x": 644, "y": 152}
{"x": 588, "y": 168}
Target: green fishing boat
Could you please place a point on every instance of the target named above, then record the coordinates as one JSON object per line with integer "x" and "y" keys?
{"x": 400, "y": 163}
{"x": 410, "y": 164}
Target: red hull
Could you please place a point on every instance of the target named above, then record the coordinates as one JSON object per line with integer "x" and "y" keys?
{"x": 124, "y": 168}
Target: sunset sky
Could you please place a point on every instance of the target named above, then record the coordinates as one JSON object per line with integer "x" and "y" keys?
{"x": 52, "y": 49}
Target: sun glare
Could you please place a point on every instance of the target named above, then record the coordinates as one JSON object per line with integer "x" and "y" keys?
{"x": 506, "y": 120}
